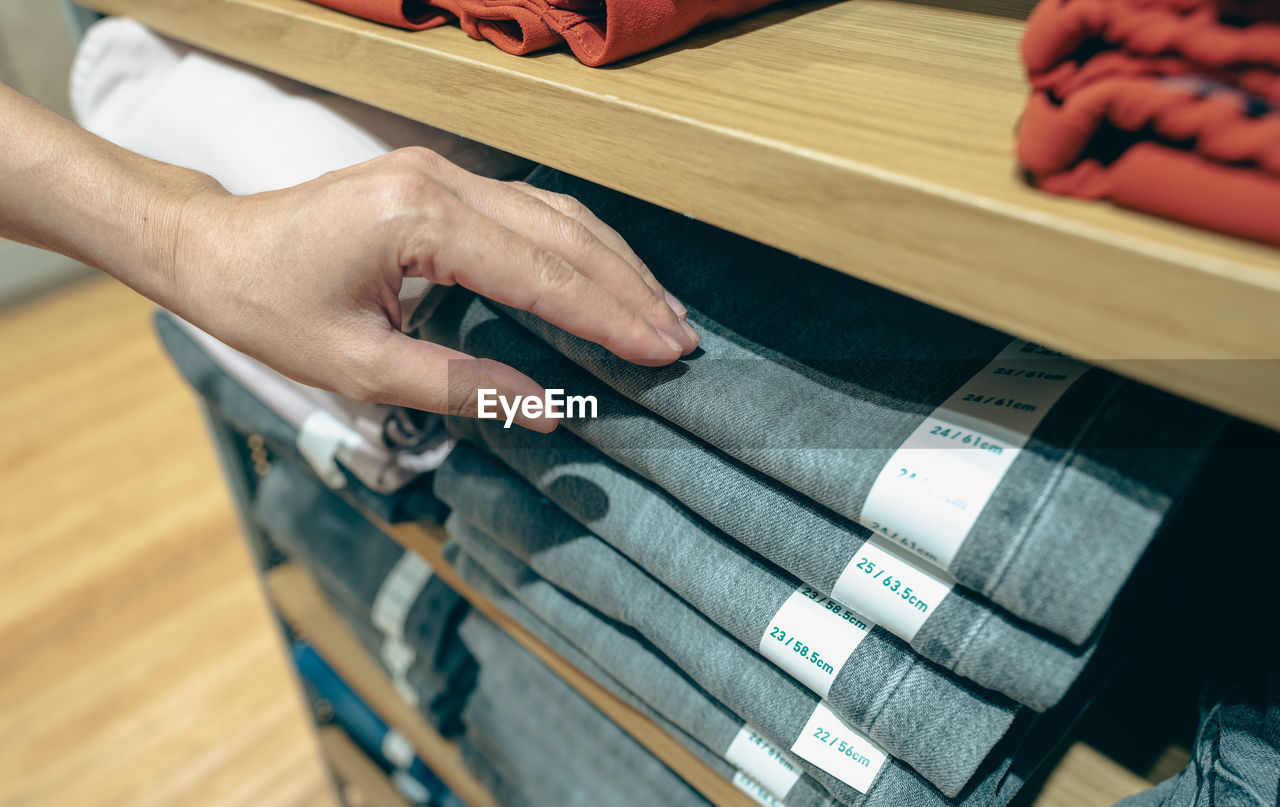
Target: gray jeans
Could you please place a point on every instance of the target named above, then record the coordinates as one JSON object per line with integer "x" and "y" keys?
{"x": 533, "y": 712}
{"x": 814, "y": 379}
{"x": 364, "y": 570}
{"x": 601, "y": 648}
{"x": 925, "y": 713}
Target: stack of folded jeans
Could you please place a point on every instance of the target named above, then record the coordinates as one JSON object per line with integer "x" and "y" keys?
{"x": 879, "y": 535}
{"x": 403, "y": 614}
{"x": 1167, "y": 106}
{"x": 535, "y": 741}
{"x": 247, "y": 414}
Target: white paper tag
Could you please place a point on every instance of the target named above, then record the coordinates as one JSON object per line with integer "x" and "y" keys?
{"x": 845, "y": 753}
{"x": 391, "y": 605}
{"x": 398, "y": 592}
{"x": 396, "y": 749}
{"x": 899, "y": 593}
{"x": 763, "y": 761}
{"x": 811, "y": 638}
{"x": 322, "y": 441}
{"x": 752, "y": 788}
{"x": 930, "y": 492}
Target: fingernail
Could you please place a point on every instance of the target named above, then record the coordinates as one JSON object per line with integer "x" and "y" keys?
{"x": 677, "y": 306}
{"x": 688, "y": 329}
{"x": 670, "y": 340}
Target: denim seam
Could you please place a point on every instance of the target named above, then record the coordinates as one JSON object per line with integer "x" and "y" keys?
{"x": 879, "y": 704}
{"x": 1013, "y": 548}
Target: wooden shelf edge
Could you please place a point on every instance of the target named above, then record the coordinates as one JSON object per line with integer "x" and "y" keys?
{"x": 352, "y": 767}
{"x": 300, "y": 601}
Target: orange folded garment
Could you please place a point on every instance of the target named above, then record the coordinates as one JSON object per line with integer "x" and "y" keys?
{"x": 414, "y": 15}
{"x": 598, "y": 32}
{"x": 1167, "y": 106}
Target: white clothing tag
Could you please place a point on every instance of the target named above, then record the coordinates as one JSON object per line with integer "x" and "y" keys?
{"x": 845, "y": 753}
{"x": 763, "y": 761}
{"x": 398, "y": 592}
{"x": 322, "y": 441}
{"x": 413, "y": 790}
{"x": 930, "y": 492}
{"x": 396, "y": 749}
{"x": 897, "y": 592}
{"x": 757, "y": 793}
{"x": 811, "y": 638}
{"x": 391, "y": 605}
{"x": 397, "y": 657}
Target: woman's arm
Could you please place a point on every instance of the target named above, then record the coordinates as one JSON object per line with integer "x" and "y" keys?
{"x": 307, "y": 279}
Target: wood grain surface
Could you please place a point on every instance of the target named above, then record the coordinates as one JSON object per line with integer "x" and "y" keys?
{"x": 139, "y": 663}
{"x": 873, "y": 136}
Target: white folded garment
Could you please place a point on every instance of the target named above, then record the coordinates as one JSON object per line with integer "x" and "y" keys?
{"x": 253, "y": 131}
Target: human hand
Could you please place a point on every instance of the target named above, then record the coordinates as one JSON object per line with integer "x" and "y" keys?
{"x": 307, "y": 279}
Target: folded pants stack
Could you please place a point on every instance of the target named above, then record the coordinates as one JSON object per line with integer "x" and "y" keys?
{"x": 403, "y": 615}
{"x": 1167, "y": 106}
{"x": 848, "y": 517}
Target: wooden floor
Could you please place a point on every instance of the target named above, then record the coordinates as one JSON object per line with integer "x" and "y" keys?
{"x": 138, "y": 663}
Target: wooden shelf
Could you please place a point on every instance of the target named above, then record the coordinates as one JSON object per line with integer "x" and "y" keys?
{"x": 300, "y": 601}
{"x": 873, "y": 136}
{"x": 352, "y": 767}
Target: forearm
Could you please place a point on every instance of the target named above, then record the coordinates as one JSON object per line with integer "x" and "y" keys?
{"x": 65, "y": 189}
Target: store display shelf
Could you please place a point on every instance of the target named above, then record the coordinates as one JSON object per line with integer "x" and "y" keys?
{"x": 299, "y": 600}
{"x": 353, "y": 768}
{"x": 873, "y": 136}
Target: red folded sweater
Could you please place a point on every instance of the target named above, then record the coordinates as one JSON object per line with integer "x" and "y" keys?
{"x": 597, "y": 31}
{"x": 1167, "y": 106}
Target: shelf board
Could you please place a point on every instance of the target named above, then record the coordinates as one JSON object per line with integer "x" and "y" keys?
{"x": 300, "y": 601}
{"x": 354, "y": 768}
{"x": 873, "y": 136}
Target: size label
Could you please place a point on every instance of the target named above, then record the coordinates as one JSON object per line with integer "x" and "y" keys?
{"x": 757, "y": 793}
{"x": 763, "y": 761}
{"x": 897, "y": 592}
{"x": 930, "y": 492}
{"x": 322, "y": 441}
{"x": 845, "y": 753}
{"x": 397, "y": 750}
{"x": 391, "y": 605}
{"x": 811, "y": 637}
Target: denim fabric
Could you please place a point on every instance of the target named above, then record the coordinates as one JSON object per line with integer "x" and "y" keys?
{"x": 1236, "y": 758}
{"x": 645, "y": 679}
{"x": 530, "y": 700}
{"x": 909, "y": 706}
{"x": 814, "y": 378}
{"x": 352, "y": 557}
{"x": 244, "y": 413}
{"x": 440, "y": 698}
{"x": 963, "y": 634}
{"x": 482, "y": 767}
{"x": 569, "y": 556}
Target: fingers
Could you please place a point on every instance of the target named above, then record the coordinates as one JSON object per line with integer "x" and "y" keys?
{"x": 571, "y": 207}
{"x": 421, "y": 375}
{"x": 563, "y": 226}
{"x": 481, "y": 254}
